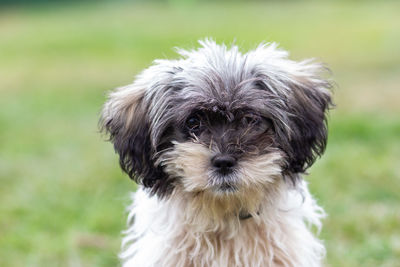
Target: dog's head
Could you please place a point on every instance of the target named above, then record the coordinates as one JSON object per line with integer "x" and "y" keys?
{"x": 220, "y": 121}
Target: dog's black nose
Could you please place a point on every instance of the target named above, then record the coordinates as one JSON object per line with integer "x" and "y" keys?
{"x": 224, "y": 163}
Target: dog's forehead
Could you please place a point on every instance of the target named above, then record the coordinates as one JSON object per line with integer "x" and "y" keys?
{"x": 223, "y": 96}
{"x": 217, "y": 88}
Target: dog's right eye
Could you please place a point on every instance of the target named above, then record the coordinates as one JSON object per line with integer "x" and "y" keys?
{"x": 193, "y": 124}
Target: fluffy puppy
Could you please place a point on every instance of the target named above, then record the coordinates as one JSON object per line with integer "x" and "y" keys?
{"x": 218, "y": 141}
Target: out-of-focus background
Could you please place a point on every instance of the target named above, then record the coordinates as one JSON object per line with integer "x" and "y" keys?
{"x": 62, "y": 194}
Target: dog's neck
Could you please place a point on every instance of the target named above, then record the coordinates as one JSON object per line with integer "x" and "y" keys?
{"x": 205, "y": 212}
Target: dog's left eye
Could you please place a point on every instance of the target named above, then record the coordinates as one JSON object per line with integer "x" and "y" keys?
{"x": 193, "y": 124}
{"x": 252, "y": 120}
{"x": 258, "y": 123}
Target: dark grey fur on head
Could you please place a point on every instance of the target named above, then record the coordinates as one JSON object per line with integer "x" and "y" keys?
{"x": 227, "y": 94}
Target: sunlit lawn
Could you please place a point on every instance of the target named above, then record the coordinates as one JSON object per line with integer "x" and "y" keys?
{"x": 62, "y": 195}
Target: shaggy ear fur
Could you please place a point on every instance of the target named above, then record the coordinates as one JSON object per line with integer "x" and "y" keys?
{"x": 308, "y": 101}
{"x": 125, "y": 118}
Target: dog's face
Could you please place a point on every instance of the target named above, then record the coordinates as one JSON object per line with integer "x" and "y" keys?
{"x": 219, "y": 121}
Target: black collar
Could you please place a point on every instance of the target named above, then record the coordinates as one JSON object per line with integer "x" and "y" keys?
{"x": 245, "y": 216}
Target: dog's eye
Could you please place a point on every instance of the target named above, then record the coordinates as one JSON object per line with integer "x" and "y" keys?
{"x": 252, "y": 120}
{"x": 258, "y": 123}
{"x": 193, "y": 124}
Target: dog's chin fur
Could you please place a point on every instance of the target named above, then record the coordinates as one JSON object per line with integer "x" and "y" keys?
{"x": 263, "y": 114}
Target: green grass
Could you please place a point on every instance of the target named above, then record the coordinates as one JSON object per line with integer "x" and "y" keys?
{"x": 62, "y": 195}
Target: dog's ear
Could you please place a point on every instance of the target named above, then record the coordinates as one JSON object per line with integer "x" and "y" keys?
{"x": 309, "y": 98}
{"x": 125, "y": 118}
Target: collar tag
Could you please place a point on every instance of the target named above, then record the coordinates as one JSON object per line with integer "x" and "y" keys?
{"x": 244, "y": 216}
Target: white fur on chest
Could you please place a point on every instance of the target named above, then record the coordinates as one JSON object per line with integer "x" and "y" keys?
{"x": 160, "y": 234}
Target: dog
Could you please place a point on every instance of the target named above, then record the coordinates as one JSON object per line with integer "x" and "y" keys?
{"x": 218, "y": 141}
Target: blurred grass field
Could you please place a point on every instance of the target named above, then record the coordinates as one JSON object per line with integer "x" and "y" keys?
{"x": 62, "y": 195}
